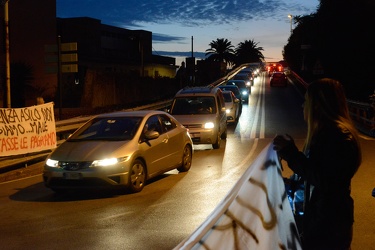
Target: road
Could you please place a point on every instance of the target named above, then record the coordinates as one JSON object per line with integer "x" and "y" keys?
{"x": 172, "y": 206}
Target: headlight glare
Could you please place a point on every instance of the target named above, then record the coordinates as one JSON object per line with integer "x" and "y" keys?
{"x": 105, "y": 162}
{"x": 209, "y": 125}
{"x": 52, "y": 163}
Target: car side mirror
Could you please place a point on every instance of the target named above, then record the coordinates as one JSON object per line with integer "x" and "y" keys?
{"x": 151, "y": 135}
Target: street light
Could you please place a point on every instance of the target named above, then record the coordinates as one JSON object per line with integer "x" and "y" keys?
{"x": 7, "y": 57}
{"x": 291, "y": 18}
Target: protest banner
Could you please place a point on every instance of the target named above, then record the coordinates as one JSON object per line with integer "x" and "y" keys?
{"x": 255, "y": 214}
{"x": 27, "y": 130}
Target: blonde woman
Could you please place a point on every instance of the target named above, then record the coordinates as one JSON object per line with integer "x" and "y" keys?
{"x": 330, "y": 158}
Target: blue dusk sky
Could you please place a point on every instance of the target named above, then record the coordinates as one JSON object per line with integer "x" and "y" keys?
{"x": 180, "y": 27}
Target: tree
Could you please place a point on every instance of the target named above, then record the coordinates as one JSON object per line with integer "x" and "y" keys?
{"x": 221, "y": 50}
{"x": 248, "y": 52}
{"x": 340, "y": 39}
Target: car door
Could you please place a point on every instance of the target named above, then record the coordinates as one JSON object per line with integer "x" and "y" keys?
{"x": 156, "y": 151}
{"x": 175, "y": 139}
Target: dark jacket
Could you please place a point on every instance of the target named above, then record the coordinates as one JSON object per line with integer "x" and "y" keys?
{"x": 332, "y": 161}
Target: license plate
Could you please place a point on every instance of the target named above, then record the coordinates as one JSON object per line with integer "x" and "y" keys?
{"x": 72, "y": 176}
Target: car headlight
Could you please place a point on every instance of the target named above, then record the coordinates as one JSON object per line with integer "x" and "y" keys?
{"x": 52, "y": 163}
{"x": 244, "y": 93}
{"x": 209, "y": 125}
{"x": 227, "y": 111}
{"x": 107, "y": 162}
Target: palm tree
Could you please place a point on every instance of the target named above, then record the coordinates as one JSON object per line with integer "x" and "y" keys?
{"x": 221, "y": 50}
{"x": 247, "y": 52}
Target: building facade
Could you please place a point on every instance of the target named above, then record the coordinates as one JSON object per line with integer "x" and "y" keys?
{"x": 34, "y": 35}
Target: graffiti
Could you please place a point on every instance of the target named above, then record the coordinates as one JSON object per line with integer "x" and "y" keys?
{"x": 27, "y": 130}
{"x": 256, "y": 214}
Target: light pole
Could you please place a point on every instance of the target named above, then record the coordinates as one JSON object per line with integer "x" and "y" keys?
{"x": 7, "y": 57}
{"x": 291, "y": 27}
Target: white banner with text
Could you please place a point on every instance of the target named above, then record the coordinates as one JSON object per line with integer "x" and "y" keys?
{"x": 255, "y": 214}
{"x": 27, "y": 130}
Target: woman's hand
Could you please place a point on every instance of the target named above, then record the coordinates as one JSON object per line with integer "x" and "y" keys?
{"x": 285, "y": 147}
{"x": 282, "y": 141}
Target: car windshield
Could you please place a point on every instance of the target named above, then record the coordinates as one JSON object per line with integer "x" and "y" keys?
{"x": 227, "y": 97}
{"x": 194, "y": 105}
{"x": 108, "y": 128}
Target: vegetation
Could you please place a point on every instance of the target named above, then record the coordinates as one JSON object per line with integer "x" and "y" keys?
{"x": 248, "y": 51}
{"x": 222, "y": 50}
{"x": 338, "y": 42}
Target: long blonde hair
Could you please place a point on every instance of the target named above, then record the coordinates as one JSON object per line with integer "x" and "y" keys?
{"x": 326, "y": 104}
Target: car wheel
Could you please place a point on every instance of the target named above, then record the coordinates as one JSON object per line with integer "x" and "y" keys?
{"x": 137, "y": 176}
{"x": 216, "y": 145}
{"x": 186, "y": 159}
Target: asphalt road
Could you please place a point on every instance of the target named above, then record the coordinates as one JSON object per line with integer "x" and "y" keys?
{"x": 172, "y": 206}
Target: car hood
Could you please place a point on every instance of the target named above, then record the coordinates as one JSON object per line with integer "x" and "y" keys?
{"x": 195, "y": 119}
{"x": 90, "y": 150}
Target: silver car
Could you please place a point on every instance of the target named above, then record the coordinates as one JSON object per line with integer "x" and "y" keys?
{"x": 121, "y": 149}
{"x": 232, "y": 106}
{"x": 202, "y": 111}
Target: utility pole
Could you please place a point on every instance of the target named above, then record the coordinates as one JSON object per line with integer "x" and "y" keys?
{"x": 192, "y": 51}
{"x": 7, "y": 56}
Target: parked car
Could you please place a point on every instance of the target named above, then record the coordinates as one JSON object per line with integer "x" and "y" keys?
{"x": 120, "y": 149}
{"x": 236, "y": 91}
{"x": 232, "y": 106}
{"x": 241, "y": 84}
{"x": 202, "y": 111}
{"x": 278, "y": 78}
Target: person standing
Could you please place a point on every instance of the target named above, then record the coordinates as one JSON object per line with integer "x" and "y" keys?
{"x": 330, "y": 158}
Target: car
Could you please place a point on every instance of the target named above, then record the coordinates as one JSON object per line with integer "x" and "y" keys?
{"x": 202, "y": 111}
{"x": 119, "y": 150}
{"x": 278, "y": 78}
{"x": 236, "y": 91}
{"x": 251, "y": 71}
{"x": 246, "y": 76}
{"x": 241, "y": 84}
{"x": 232, "y": 106}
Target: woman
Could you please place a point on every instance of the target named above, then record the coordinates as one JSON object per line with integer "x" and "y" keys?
{"x": 330, "y": 158}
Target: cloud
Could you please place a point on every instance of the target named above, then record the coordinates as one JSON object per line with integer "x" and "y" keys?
{"x": 161, "y": 38}
{"x": 197, "y": 55}
{"x": 132, "y": 13}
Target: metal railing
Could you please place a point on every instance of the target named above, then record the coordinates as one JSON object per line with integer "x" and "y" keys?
{"x": 362, "y": 113}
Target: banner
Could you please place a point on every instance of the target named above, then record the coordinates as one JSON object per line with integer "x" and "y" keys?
{"x": 255, "y": 214}
{"x": 27, "y": 130}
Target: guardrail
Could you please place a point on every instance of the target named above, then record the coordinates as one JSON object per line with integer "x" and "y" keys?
{"x": 362, "y": 113}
